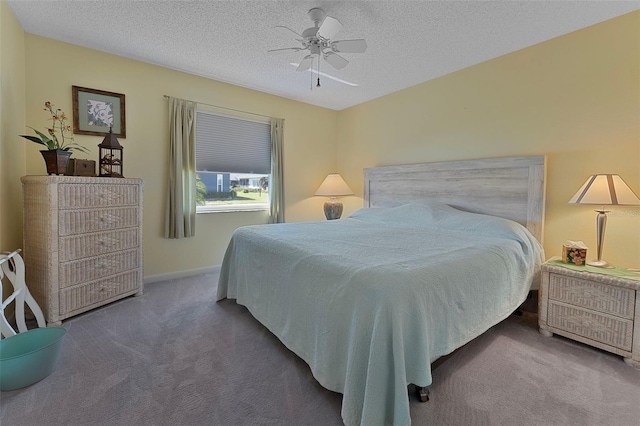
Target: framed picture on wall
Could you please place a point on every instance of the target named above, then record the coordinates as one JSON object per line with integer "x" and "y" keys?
{"x": 95, "y": 111}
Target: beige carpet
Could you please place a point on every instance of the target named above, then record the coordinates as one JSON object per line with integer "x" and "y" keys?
{"x": 176, "y": 357}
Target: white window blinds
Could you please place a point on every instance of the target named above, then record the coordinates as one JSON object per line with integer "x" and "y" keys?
{"x": 227, "y": 144}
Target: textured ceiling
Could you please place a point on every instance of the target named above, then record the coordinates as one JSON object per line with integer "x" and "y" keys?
{"x": 409, "y": 42}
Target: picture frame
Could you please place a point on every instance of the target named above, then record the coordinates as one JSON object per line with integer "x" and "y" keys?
{"x": 94, "y": 111}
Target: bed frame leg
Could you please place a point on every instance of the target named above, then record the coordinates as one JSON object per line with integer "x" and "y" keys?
{"x": 422, "y": 393}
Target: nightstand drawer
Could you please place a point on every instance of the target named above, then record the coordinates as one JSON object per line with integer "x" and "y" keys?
{"x": 588, "y": 294}
{"x": 607, "y": 329}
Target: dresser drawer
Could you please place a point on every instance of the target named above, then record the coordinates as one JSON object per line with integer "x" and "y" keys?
{"x": 83, "y": 297}
{"x": 81, "y": 221}
{"x": 93, "y": 268}
{"x": 73, "y": 196}
{"x": 603, "y": 328}
{"x": 618, "y": 301}
{"x": 81, "y": 246}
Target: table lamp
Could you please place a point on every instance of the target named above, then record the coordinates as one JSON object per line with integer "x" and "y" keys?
{"x": 604, "y": 190}
{"x": 333, "y": 186}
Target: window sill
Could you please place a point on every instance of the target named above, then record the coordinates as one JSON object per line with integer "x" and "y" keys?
{"x": 229, "y": 208}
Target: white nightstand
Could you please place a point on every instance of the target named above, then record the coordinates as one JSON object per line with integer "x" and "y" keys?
{"x": 598, "y": 309}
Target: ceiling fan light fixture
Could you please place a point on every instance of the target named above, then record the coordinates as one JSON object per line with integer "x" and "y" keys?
{"x": 315, "y": 49}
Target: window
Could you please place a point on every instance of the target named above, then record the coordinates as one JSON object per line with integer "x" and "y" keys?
{"x": 233, "y": 163}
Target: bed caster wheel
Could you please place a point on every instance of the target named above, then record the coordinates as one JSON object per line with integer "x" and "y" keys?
{"x": 422, "y": 393}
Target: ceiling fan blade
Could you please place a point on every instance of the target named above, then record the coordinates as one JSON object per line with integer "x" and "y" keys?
{"x": 287, "y": 28}
{"x": 305, "y": 63}
{"x": 349, "y": 46}
{"x": 335, "y": 60}
{"x": 296, "y": 49}
{"x": 329, "y": 28}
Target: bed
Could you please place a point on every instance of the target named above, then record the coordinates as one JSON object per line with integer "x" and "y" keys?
{"x": 439, "y": 253}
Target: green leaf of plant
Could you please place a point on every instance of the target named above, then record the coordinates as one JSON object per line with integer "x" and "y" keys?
{"x": 44, "y": 137}
{"x": 50, "y": 144}
{"x": 33, "y": 139}
{"x": 76, "y": 147}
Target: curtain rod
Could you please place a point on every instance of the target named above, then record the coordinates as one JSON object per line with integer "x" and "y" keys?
{"x": 230, "y": 109}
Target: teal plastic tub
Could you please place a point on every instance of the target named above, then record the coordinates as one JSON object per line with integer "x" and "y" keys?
{"x": 29, "y": 357}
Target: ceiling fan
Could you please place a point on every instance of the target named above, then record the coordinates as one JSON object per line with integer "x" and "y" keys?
{"x": 318, "y": 41}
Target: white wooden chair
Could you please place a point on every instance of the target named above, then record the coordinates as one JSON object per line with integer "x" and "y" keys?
{"x": 12, "y": 265}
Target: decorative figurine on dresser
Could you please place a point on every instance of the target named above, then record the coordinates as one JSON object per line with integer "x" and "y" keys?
{"x": 82, "y": 242}
{"x": 110, "y": 156}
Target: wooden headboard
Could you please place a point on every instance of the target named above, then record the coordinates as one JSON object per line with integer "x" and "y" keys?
{"x": 512, "y": 188}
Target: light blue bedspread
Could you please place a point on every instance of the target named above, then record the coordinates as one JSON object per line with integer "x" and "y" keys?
{"x": 369, "y": 301}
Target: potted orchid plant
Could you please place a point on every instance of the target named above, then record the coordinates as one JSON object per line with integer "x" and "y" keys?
{"x": 58, "y": 140}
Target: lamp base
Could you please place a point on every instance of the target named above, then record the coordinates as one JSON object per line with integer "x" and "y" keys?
{"x": 600, "y": 264}
{"x": 333, "y": 208}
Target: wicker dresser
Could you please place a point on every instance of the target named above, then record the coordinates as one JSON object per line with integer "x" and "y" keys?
{"x": 82, "y": 242}
{"x": 597, "y": 309}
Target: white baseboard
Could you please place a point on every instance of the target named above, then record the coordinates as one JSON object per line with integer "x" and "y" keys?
{"x": 181, "y": 274}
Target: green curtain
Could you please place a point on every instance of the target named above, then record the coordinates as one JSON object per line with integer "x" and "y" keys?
{"x": 276, "y": 208}
{"x": 180, "y": 220}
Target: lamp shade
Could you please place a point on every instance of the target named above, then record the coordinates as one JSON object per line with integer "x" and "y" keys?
{"x": 605, "y": 189}
{"x": 333, "y": 185}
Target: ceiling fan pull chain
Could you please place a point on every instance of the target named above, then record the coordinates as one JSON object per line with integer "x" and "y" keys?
{"x": 318, "y": 85}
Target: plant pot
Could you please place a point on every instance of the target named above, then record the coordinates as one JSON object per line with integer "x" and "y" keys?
{"x": 56, "y": 161}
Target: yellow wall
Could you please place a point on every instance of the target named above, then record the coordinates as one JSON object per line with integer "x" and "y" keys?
{"x": 575, "y": 99}
{"x": 309, "y": 144}
{"x": 12, "y": 121}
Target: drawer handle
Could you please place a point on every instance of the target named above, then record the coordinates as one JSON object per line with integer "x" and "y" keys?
{"x": 109, "y": 242}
